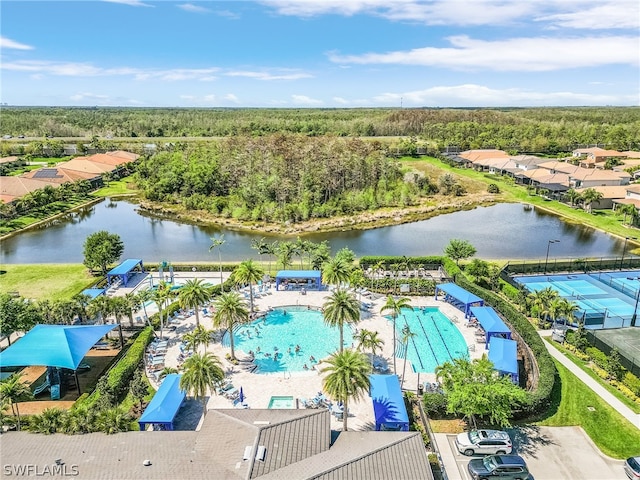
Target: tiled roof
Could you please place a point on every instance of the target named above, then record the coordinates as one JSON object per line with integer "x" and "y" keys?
{"x": 121, "y": 153}
{"x": 480, "y": 154}
{"x": 365, "y": 456}
{"x": 16, "y": 186}
{"x": 86, "y": 166}
{"x": 9, "y": 159}
{"x": 612, "y": 191}
{"x": 112, "y": 160}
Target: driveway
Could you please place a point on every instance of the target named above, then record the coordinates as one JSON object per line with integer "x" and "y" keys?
{"x": 552, "y": 453}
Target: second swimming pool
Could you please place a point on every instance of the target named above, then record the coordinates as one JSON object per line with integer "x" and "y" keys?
{"x": 436, "y": 339}
{"x": 287, "y": 339}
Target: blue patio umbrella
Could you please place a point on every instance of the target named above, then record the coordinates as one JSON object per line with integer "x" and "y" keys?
{"x": 241, "y": 395}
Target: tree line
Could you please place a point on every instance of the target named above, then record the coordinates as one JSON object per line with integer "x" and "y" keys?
{"x": 522, "y": 129}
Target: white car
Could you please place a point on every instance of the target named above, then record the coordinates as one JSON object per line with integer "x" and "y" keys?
{"x": 492, "y": 442}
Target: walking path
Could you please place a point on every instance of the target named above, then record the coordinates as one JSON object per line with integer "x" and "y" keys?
{"x": 616, "y": 404}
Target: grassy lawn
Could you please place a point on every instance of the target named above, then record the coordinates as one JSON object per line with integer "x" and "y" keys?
{"x": 613, "y": 435}
{"x": 124, "y": 186}
{"x": 38, "y": 215}
{"x": 45, "y": 281}
{"x": 583, "y": 366}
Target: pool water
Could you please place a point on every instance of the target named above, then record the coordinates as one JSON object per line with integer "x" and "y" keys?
{"x": 274, "y": 339}
{"x": 281, "y": 402}
{"x": 437, "y": 339}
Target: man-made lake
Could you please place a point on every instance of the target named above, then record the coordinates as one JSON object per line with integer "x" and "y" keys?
{"x": 504, "y": 231}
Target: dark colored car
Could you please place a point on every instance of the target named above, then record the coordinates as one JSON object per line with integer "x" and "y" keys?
{"x": 511, "y": 467}
{"x": 632, "y": 467}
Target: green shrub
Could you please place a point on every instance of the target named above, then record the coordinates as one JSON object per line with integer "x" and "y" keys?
{"x": 115, "y": 384}
{"x": 493, "y": 188}
{"x": 435, "y": 404}
{"x": 632, "y": 383}
{"x": 598, "y": 357}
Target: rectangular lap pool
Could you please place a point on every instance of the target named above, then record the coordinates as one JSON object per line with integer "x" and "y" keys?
{"x": 282, "y": 402}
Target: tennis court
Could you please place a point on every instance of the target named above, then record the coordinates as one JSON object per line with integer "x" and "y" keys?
{"x": 628, "y": 343}
{"x": 605, "y": 299}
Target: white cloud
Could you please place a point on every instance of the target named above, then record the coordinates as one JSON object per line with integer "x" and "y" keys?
{"x": 470, "y": 95}
{"x": 517, "y": 54}
{"x": 231, "y": 98}
{"x": 210, "y": 98}
{"x": 267, "y": 76}
{"x": 621, "y": 14}
{"x": 12, "y": 44}
{"x": 190, "y": 7}
{"x": 131, "y": 3}
{"x": 566, "y": 13}
{"x": 71, "y": 69}
{"x": 304, "y": 100}
{"x": 79, "y": 97}
{"x": 340, "y": 100}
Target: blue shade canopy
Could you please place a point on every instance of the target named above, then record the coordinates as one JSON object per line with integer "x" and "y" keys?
{"x": 503, "y": 354}
{"x": 489, "y": 320}
{"x": 93, "y": 292}
{"x": 388, "y": 405}
{"x": 165, "y": 403}
{"x": 459, "y": 293}
{"x": 62, "y": 346}
{"x": 126, "y": 266}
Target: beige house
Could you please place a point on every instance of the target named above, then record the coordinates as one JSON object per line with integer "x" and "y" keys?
{"x": 12, "y": 188}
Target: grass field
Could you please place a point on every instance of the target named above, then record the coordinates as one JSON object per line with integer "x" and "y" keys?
{"x": 45, "y": 281}
{"x": 576, "y": 404}
{"x": 123, "y": 186}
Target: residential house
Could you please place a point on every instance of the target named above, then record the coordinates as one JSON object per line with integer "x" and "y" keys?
{"x": 609, "y": 195}
{"x": 14, "y": 187}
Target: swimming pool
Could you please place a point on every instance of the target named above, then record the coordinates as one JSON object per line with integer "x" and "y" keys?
{"x": 281, "y": 402}
{"x": 274, "y": 339}
{"x": 437, "y": 340}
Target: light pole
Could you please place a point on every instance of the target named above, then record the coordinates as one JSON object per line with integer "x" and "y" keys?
{"x": 624, "y": 249}
{"x": 546, "y": 260}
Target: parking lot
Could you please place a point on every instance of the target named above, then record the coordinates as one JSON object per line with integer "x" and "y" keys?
{"x": 551, "y": 453}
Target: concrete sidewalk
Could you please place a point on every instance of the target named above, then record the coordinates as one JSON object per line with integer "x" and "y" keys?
{"x": 616, "y": 404}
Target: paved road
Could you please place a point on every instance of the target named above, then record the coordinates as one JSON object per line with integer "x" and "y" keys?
{"x": 552, "y": 453}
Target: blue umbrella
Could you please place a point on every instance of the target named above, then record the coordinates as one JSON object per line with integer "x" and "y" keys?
{"x": 241, "y": 395}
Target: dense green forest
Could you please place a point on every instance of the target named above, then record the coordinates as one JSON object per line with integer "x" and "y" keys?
{"x": 279, "y": 177}
{"x": 520, "y": 129}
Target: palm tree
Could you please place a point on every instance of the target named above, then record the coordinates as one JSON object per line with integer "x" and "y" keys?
{"x": 193, "y": 294}
{"x": 395, "y": 306}
{"x": 369, "y": 340}
{"x": 335, "y": 272}
{"x": 161, "y": 295}
{"x": 143, "y": 296}
{"x": 347, "y": 378}
{"x": 627, "y": 210}
{"x": 201, "y": 373}
{"x": 589, "y": 197}
{"x": 230, "y": 311}
{"x": 167, "y": 371}
{"x": 218, "y": 243}
{"x": 248, "y": 272}
{"x": 569, "y": 310}
{"x": 100, "y": 307}
{"x": 271, "y": 249}
{"x": 51, "y": 420}
{"x": 341, "y": 307}
{"x": 572, "y": 195}
{"x": 131, "y": 300}
{"x": 15, "y": 391}
{"x": 407, "y": 335}
{"x": 199, "y": 336}
{"x": 285, "y": 253}
{"x": 113, "y": 420}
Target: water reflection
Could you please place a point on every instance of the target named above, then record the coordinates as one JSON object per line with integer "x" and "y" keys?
{"x": 498, "y": 232}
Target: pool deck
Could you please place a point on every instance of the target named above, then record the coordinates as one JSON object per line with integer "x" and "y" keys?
{"x": 259, "y": 388}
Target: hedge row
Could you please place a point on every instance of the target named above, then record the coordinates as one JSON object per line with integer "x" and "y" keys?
{"x": 539, "y": 399}
{"x": 119, "y": 377}
{"x": 429, "y": 263}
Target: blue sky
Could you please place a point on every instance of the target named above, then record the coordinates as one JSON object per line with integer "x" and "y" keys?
{"x": 320, "y": 53}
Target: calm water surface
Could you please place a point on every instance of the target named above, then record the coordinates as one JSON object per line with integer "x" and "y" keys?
{"x": 497, "y": 232}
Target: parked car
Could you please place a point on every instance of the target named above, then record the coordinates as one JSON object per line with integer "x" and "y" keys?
{"x": 492, "y": 442}
{"x": 632, "y": 467}
{"x": 511, "y": 467}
